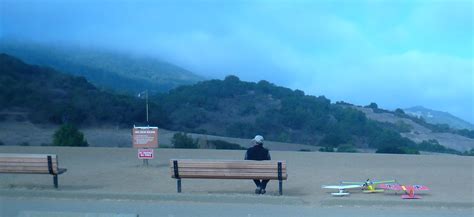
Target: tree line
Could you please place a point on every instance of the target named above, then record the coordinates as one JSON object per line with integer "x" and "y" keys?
{"x": 228, "y": 107}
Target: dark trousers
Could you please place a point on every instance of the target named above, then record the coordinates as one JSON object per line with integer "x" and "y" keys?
{"x": 261, "y": 183}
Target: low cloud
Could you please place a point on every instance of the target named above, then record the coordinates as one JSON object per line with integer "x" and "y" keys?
{"x": 398, "y": 54}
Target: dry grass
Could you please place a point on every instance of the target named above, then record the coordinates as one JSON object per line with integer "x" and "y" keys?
{"x": 117, "y": 171}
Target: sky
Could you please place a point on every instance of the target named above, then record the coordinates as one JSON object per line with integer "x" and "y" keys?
{"x": 395, "y": 53}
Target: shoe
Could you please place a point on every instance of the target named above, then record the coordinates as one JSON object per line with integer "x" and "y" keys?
{"x": 262, "y": 191}
{"x": 258, "y": 191}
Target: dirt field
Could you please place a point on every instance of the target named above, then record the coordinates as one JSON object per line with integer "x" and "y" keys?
{"x": 16, "y": 133}
{"x": 116, "y": 173}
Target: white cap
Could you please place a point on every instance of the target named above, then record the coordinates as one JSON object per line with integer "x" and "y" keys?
{"x": 258, "y": 139}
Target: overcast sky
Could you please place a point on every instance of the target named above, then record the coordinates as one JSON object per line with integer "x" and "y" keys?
{"x": 394, "y": 53}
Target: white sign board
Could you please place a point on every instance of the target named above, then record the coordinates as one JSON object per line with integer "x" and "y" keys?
{"x": 145, "y": 137}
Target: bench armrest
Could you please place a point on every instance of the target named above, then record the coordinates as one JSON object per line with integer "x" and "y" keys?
{"x": 61, "y": 170}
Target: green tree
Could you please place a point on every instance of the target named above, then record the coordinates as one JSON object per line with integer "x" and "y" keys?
{"x": 182, "y": 140}
{"x": 220, "y": 144}
{"x": 469, "y": 153}
{"x": 372, "y": 105}
{"x": 69, "y": 135}
{"x": 346, "y": 148}
{"x": 399, "y": 111}
{"x": 391, "y": 150}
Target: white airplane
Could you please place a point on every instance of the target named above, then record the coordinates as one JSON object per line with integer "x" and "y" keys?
{"x": 341, "y": 189}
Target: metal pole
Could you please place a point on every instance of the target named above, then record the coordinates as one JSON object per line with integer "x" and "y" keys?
{"x": 147, "y": 106}
{"x": 280, "y": 179}
{"x": 145, "y": 161}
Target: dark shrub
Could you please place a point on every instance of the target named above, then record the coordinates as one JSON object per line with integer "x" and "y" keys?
{"x": 69, "y": 135}
{"x": 182, "y": 140}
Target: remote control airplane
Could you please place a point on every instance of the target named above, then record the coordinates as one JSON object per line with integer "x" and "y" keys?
{"x": 408, "y": 189}
{"x": 341, "y": 189}
{"x": 369, "y": 186}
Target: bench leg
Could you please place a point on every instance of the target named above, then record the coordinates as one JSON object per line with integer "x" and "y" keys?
{"x": 280, "y": 187}
{"x": 55, "y": 179}
{"x": 178, "y": 182}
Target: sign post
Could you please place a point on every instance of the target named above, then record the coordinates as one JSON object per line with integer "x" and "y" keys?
{"x": 145, "y": 139}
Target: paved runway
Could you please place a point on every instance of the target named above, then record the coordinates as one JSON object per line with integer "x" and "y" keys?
{"x": 23, "y": 207}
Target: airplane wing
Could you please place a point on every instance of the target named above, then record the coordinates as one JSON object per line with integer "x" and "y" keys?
{"x": 353, "y": 183}
{"x": 339, "y": 187}
{"x": 420, "y": 188}
{"x": 394, "y": 187}
{"x": 384, "y": 182}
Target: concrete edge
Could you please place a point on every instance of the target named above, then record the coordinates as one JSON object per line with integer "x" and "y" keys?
{"x": 181, "y": 197}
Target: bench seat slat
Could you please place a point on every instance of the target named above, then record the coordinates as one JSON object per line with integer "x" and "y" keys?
{"x": 15, "y": 170}
{"x": 230, "y": 166}
{"x": 25, "y": 172}
{"x": 225, "y": 161}
{"x": 231, "y": 162}
{"x": 45, "y": 168}
{"x": 230, "y": 176}
{"x": 224, "y": 170}
{"x": 25, "y": 160}
{"x": 14, "y": 155}
{"x": 45, "y": 164}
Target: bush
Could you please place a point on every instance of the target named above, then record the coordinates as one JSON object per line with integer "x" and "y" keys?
{"x": 403, "y": 127}
{"x": 165, "y": 146}
{"x": 390, "y": 150}
{"x": 182, "y": 140}
{"x": 326, "y": 149}
{"x": 220, "y": 144}
{"x": 372, "y": 105}
{"x": 333, "y": 139}
{"x": 347, "y": 148}
{"x": 469, "y": 153}
{"x": 399, "y": 111}
{"x": 69, "y": 135}
{"x": 410, "y": 150}
{"x": 398, "y": 150}
{"x": 433, "y": 145}
{"x": 24, "y": 144}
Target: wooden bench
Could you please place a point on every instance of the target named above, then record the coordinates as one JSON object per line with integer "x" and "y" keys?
{"x": 228, "y": 169}
{"x": 31, "y": 164}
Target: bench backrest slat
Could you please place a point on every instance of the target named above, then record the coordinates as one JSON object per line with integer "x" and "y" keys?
{"x": 228, "y": 169}
{"x": 27, "y": 163}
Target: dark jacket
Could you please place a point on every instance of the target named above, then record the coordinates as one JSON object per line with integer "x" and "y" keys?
{"x": 257, "y": 152}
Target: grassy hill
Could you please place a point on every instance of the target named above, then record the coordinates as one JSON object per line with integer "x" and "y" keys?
{"x": 229, "y": 107}
{"x": 438, "y": 138}
{"x": 48, "y": 96}
{"x": 115, "y": 71}
{"x": 438, "y": 117}
{"x": 235, "y": 108}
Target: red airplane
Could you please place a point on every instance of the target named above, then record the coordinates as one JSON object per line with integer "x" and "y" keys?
{"x": 409, "y": 190}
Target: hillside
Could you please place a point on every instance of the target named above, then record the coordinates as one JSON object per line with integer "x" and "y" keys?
{"x": 419, "y": 131}
{"x": 106, "y": 69}
{"x": 241, "y": 109}
{"x": 230, "y": 108}
{"x": 439, "y": 117}
{"x": 45, "y": 95}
